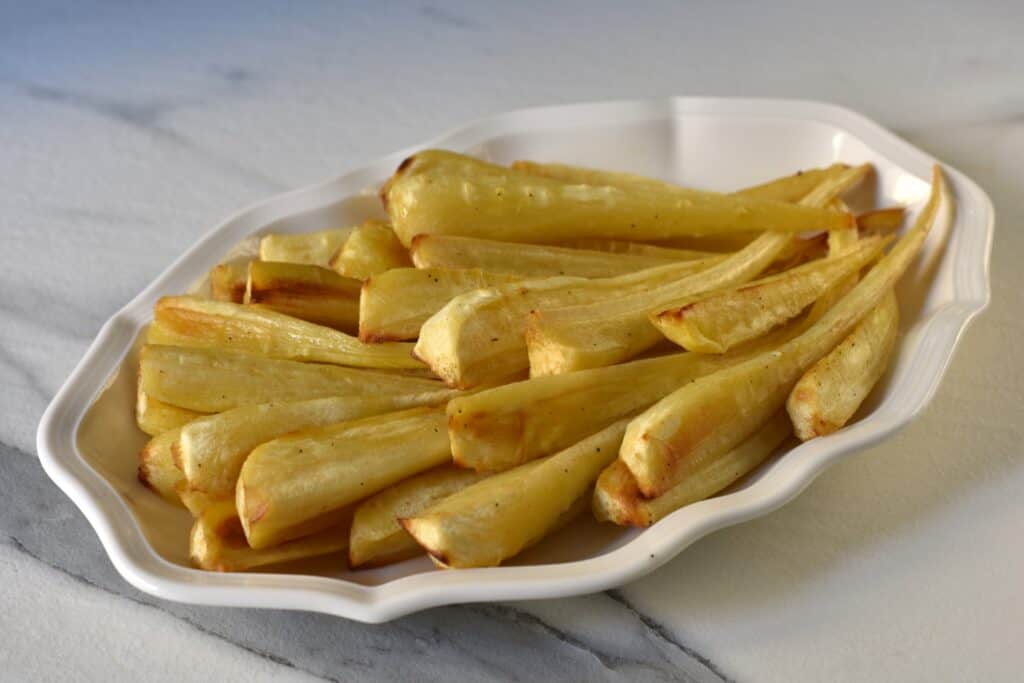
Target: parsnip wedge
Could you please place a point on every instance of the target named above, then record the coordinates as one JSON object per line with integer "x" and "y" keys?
{"x": 213, "y": 380}
{"x": 187, "y": 321}
{"x": 594, "y": 334}
{"x": 717, "y": 412}
{"x": 217, "y": 543}
{"x": 617, "y": 497}
{"x": 789, "y": 188}
{"x": 478, "y": 337}
{"x": 717, "y": 322}
{"x": 493, "y": 520}
{"x": 372, "y": 248}
{"x": 535, "y": 260}
{"x": 295, "y": 485}
{"x": 211, "y": 450}
{"x": 227, "y": 282}
{"x": 395, "y": 304}
{"x": 637, "y": 249}
{"x": 156, "y": 467}
{"x": 155, "y": 417}
{"x": 442, "y": 192}
{"x": 499, "y": 428}
{"x": 303, "y": 291}
{"x": 377, "y": 538}
{"x": 312, "y": 248}
{"x": 881, "y": 220}
{"x": 829, "y": 393}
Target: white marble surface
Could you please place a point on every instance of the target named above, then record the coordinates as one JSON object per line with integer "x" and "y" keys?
{"x": 126, "y": 131}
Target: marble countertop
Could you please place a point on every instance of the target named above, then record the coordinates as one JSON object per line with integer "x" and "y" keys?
{"x": 128, "y": 130}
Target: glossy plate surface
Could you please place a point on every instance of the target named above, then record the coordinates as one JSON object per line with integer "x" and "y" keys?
{"x": 88, "y": 441}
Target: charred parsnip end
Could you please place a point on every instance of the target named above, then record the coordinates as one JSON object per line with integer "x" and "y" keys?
{"x": 217, "y": 543}
{"x": 156, "y": 467}
{"x": 442, "y": 192}
{"x": 227, "y": 282}
{"x": 211, "y": 450}
{"x": 213, "y": 380}
{"x": 187, "y": 321}
{"x": 295, "y": 485}
{"x": 829, "y": 394}
{"x": 493, "y": 520}
{"x": 312, "y": 248}
{"x": 311, "y": 293}
{"x": 155, "y": 417}
{"x": 377, "y": 538}
{"x": 717, "y": 412}
{"x": 719, "y": 321}
{"x": 588, "y": 335}
{"x": 395, "y": 304}
{"x": 533, "y": 260}
{"x": 478, "y": 337}
{"x": 372, "y": 248}
{"x": 618, "y": 499}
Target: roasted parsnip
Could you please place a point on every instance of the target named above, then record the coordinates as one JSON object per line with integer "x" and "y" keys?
{"x": 227, "y": 282}
{"x": 717, "y": 412}
{"x": 717, "y": 322}
{"x": 496, "y": 429}
{"x": 211, "y": 450}
{"x": 478, "y": 337}
{"x": 535, "y": 260}
{"x": 312, "y": 248}
{"x": 296, "y": 485}
{"x": 187, "y": 321}
{"x": 618, "y": 499}
{"x": 587, "y": 335}
{"x": 303, "y": 291}
{"x": 442, "y": 192}
{"x": 493, "y": 520}
{"x": 155, "y": 417}
{"x": 156, "y": 467}
{"x": 395, "y": 304}
{"x": 217, "y": 543}
{"x": 214, "y": 380}
{"x": 789, "y": 188}
{"x": 829, "y": 393}
{"x": 377, "y": 537}
{"x": 372, "y": 248}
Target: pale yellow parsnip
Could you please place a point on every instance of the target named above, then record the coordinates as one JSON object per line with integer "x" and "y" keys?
{"x": 593, "y": 334}
{"x": 296, "y": 485}
{"x": 187, "y": 321}
{"x": 715, "y": 413}
{"x": 436, "y": 191}
{"x": 493, "y": 520}
{"x": 377, "y": 537}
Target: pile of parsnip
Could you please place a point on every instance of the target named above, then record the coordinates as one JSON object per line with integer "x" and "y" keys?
{"x": 512, "y": 347}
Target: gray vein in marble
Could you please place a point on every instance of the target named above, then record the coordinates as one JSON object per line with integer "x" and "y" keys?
{"x": 446, "y": 17}
{"x": 145, "y": 116}
{"x": 665, "y": 634}
{"x": 462, "y": 642}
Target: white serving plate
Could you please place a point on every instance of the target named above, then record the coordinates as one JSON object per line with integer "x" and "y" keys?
{"x": 88, "y": 441}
